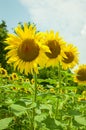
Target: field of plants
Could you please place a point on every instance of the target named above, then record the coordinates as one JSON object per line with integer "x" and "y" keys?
{"x": 39, "y": 87}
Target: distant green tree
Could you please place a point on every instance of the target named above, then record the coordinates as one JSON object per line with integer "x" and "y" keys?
{"x": 3, "y": 35}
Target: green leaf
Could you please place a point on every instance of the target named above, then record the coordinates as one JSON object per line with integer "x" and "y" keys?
{"x": 20, "y": 102}
{"x": 75, "y": 123}
{"x": 5, "y": 122}
{"x": 53, "y": 124}
{"x": 40, "y": 118}
{"x": 46, "y": 108}
{"x": 73, "y": 112}
{"x": 81, "y": 120}
{"x": 32, "y": 105}
{"x": 18, "y": 110}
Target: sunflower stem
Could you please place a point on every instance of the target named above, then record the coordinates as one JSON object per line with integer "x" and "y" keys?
{"x": 34, "y": 100}
{"x": 35, "y": 86}
{"x": 57, "y": 100}
{"x": 59, "y": 74}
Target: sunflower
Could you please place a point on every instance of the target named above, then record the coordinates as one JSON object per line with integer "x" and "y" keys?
{"x": 80, "y": 74}
{"x": 3, "y": 72}
{"x": 27, "y": 80}
{"x": 25, "y": 49}
{"x": 56, "y": 45}
{"x": 32, "y": 81}
{"x": 81, "y": 99}
{"x": 52, "y": 90}
{"x": 71, "y": 58}
{"x": 20, "y": 80}
{"x": 14, "y": 76}
{"x": 84, "y": 93}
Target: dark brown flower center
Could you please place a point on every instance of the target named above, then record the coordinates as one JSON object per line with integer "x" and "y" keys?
{"x": 28, "y": 50}
{"x": 3, "y": 72}
{"x": 81, "y": 75}
{"x": 70, "y": 57}
{"x": 54, "y": 48}
{"x": 14, "y": 75}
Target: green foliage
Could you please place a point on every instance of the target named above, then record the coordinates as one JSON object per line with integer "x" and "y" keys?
{"x": 81, "y": 120}
{"x": 49, "y": 72}
{"x": 3, "y": 35}
{"x": 59, "y": 110}
{"x": 5, "y": 122}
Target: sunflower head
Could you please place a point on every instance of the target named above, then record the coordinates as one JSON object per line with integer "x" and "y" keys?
{"x": 84, "y": 93}
{"x": 27, "y": 80}
{"x": 80, "y": 99}
{"x": 20, "y": 80}
{"x": 71, "y": 57}
{"x": 56, "y": 45}
{"x": 14, "y": 76}
{"x": 80, "y": 74}
{"x": 25, "y": 49}
{"x": 32, "y": 81}
{"x": 3, "y": 72}
{"x": 52, "y": 90}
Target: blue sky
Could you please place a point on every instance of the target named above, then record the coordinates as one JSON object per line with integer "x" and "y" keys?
{"x": 68, "y": 17}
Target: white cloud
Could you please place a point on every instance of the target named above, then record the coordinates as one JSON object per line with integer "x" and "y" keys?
{"x": 66, "y": 16}
{"x": 56, "y": 13}
{"x": 83, "y": 31}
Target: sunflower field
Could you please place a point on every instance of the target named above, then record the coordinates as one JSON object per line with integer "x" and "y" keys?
{"x": 42, "y": 83}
